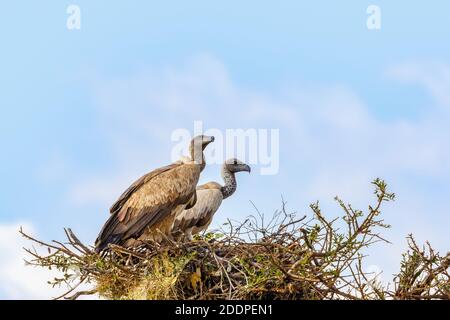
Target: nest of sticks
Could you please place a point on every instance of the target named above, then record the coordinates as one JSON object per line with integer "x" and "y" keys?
{"x": 285, "y": 257}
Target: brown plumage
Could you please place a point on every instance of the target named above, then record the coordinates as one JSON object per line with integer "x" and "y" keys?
{"x": 209, "y": 198}
{"x": 146, "y": 210}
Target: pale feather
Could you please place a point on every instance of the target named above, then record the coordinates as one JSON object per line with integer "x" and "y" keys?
{"x": 198, "y": 218}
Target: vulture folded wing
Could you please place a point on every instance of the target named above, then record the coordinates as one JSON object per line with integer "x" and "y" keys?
{"x": 138, "y": 183}
{"x": 199, "y": 216}
{"x": 149, "y": 200}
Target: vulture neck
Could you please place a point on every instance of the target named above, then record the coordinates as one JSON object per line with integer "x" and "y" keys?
{"x": 230, "y": 182}
{"x": 197, "y": 156}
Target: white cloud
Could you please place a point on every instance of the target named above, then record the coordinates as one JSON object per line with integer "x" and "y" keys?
{"x": 434, "y": 77}
{"x": 18, "y": 281}
{"x": 102, "y": 190}
{"x": 327, "y": 129}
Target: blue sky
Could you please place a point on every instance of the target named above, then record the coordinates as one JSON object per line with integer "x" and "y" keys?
{"x": 85, "y": 112}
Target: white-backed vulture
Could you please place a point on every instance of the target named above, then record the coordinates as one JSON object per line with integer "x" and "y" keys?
{"x": 146, "y": 210}
{"x": 209, "y": 198}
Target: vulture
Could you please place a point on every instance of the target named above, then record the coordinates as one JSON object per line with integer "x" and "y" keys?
{"x": 209, "y": 197}
{"x": 146, "y": 210}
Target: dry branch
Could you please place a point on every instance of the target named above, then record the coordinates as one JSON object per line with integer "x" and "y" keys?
{"x": 286, "y": 257}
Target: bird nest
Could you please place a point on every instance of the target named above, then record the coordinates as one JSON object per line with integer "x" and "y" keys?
{"x": 284, "y": 257}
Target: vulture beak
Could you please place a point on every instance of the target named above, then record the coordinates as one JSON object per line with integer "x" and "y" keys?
{"x": 247, "y": 168}
{"x": 207, "y": 140}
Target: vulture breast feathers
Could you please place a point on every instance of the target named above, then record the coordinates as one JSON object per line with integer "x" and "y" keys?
{"x": 146, "y": 210}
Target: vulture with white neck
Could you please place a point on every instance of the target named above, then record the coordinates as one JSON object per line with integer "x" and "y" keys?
{"x": 147, "y": 209}
{"x": 209, "y": 198}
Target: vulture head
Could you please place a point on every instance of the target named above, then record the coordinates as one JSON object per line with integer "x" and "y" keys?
{"x": 234, "y": 165}
{"x": 230, "y": 167}
{"x": 198, "y": 144}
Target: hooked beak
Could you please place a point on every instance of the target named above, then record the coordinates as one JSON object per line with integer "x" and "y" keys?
{"x": 247, "y": 168}
{"x": 207, "y": 140}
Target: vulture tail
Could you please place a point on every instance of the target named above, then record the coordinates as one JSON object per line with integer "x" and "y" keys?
{"x": 103, "y": 244}
{"x": 108, "y": 234}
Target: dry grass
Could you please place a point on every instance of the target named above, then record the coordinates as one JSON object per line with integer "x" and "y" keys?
{"x": 287, "y": 257}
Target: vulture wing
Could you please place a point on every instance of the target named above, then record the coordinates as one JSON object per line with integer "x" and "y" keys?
{"x": 209, "y": 198}
{"x": 148, "y": 201}
{"x": 137, "y": 184}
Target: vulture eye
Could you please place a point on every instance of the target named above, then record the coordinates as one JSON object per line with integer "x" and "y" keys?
{"x": 235, "y": 161}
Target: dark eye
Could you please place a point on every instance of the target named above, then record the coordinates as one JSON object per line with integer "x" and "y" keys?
{"x": 235, "y": 161}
